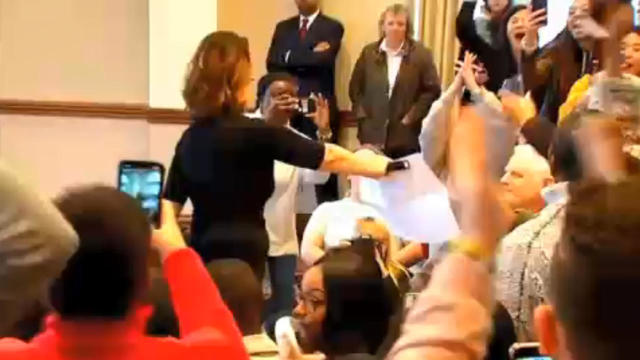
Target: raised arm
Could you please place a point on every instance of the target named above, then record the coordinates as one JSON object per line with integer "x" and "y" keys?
{"x": 536, "y": 63}
{"x": 293, "y": 149}
{"x": 452, "y": 317}
{"x": 207, "y": 326}
{"x": 434, "y": 137}
{"x": 465, "y": 26}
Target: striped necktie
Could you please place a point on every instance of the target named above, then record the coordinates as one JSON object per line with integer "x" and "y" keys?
{"x": 304, "y": 28}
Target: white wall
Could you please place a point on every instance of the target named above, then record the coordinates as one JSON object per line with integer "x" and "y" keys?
{"x": 103, "y": 51}
{"x": 56, "y": 153}
{"x": 74, "y": 50}
{"x": 175, "y": 30}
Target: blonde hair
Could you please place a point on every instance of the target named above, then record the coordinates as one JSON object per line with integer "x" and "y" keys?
{"x": 217, "y": 75}
{"x": 396, "y": 9}
{"x": 380, "y": 233}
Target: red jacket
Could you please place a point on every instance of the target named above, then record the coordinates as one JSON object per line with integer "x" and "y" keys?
{"x": 207, "y": 327}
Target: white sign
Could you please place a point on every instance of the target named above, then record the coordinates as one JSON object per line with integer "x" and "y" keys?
{"x": 414, "y": 202}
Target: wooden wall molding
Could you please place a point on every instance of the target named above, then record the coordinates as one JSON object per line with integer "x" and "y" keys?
{"x": 168, "y": 116}
{"x": 74, "y": 109}
{"x": 122, "y": 111}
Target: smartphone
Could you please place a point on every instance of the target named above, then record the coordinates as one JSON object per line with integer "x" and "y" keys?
{"x": 526, "y": 351}
{"x": 143, "y": 181}
{"x": 398, "y": 165}
{"x": 307, "y": 105}
{"x": 410, "y": 299}
{"x": 539, "y": 4}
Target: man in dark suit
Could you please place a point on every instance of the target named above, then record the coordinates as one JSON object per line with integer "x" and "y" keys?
{"x": 306, "y": 46}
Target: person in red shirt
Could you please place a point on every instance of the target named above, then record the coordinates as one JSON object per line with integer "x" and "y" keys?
{"x": 99, "y": 313}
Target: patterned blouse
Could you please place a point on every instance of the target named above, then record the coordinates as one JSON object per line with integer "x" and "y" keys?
{"x": 523, "y": 264}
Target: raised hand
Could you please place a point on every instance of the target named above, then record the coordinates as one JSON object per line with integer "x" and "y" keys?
{"x": 534, "y": 21}
{"x": 168, "y": 238}
{"x": 322, "y": 116}
{"x": 469, "y": 71}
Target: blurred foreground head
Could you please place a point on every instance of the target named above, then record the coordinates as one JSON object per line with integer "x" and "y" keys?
{"x": 595, "y": 274}
{"x": 108, "y": 273}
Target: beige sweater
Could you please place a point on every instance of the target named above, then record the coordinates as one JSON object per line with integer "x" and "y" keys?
{"x": 451, "y": 319}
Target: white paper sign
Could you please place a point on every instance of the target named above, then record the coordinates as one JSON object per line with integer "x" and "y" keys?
{"x": 414, "y": 202}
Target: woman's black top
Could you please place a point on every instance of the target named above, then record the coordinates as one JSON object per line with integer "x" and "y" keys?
{"x": 497, "y": 58}
{"x": 225, "y": 166}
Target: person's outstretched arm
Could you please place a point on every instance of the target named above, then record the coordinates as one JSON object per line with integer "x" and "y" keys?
{"x": 207, "y": 327}
{"x": 35, "y": 240}
{"x": 452, "y": 317}
{"x": 290, "y": 148}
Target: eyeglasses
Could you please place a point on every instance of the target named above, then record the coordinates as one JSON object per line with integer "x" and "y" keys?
{"x": 312, "y": 300}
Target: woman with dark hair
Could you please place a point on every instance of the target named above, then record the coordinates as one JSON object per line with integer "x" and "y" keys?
{"x": 224, "y": 162}
{"x": 493, "y": 50}
{"x": 550, "y": 72}
{"x": 393, "y": 85}
{"x": 345, "y": 304}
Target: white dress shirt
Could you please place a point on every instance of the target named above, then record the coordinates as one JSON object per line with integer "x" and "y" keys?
{"x": 394, "y": 61}
{"x": 280, "y": 210}
{"x": 311, "y": 18}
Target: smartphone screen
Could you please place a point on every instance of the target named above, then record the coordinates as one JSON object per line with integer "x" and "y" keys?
{"x": 526, "y": 351}
{"x": 143, "y": 181}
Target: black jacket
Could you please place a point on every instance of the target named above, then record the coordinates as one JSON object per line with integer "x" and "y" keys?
{"x": 315, "y": 70}
{"x": 380, "y": 118}
{"x": 497, "y": 58}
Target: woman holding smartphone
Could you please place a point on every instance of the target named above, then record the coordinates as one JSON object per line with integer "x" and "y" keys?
{"x": 224, "y": 161}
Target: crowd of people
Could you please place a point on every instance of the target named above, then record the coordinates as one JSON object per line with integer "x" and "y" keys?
{"x": 536, "y": 146}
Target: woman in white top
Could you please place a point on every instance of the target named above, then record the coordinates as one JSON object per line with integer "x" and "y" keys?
{"x": 278, "y": 95}
{"x": 333, "y": 223}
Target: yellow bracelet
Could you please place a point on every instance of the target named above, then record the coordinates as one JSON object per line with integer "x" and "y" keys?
{"x": 472, "y": 248}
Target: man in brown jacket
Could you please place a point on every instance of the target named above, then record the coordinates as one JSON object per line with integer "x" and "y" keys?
{"x": 393, "y": 86}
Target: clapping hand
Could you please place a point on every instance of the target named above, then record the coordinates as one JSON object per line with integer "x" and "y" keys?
{"x": 469, "y": 72}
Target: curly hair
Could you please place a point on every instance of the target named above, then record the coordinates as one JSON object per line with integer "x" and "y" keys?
{"x": 218, "y": 75}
